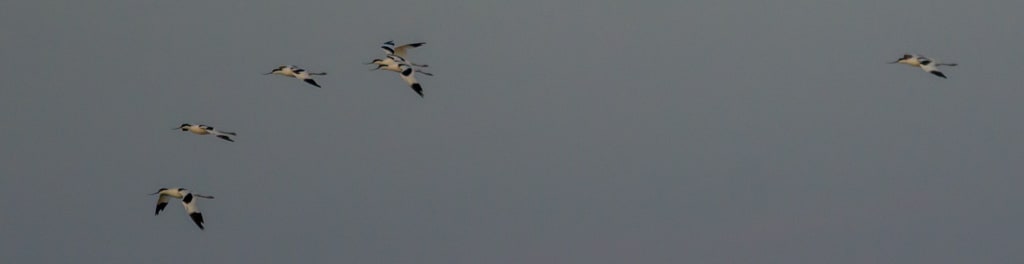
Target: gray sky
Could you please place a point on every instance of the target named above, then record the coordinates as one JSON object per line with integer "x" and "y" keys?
{"x": 553, "y": 132}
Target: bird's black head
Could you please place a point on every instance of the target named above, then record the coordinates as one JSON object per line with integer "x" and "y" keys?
{"x": 905, "y": 57}
{"x": 278, "y": 69}
{"x": 374, "y": 61}
{"x": 158, "y": 191}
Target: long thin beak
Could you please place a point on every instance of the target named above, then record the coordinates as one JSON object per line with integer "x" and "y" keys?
{"x": 368, "y": 63}
{"x": 268, "y": 73}
{"x": 894, "y": 62}
{"x": 176, "y": 128}
{"x": 154, "y": 193}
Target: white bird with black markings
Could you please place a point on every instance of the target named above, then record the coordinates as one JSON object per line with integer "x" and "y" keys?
{"x": 926, "y": 64}
{"x": 207, "y": 130}
{"x": 389, "y": 64}
{"x": 296, "y": 72}
{"x": 390, "y": 49}
{"x": 188, "y": 199}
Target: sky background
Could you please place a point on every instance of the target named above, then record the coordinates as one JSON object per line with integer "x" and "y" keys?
{"x": 552, "y": 132}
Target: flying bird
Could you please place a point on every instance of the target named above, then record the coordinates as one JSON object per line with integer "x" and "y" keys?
{"x": 188, "y": 199}
{"x": 391, "y": 65}
{"x": 298, "y": 73}
{"x": 926, "y": 64}
{"x": 401, "y": 51}
{"x": 206, "y": 130}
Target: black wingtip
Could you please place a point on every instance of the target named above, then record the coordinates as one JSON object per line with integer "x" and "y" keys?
{"x": 160, "y": 207}
{"x": 938, "y": 73}
{"x": 225, "y": 138}
{"x": 198, "y": 218}
{"x": 419, "y": 89}
{"x": 311, "y": 81}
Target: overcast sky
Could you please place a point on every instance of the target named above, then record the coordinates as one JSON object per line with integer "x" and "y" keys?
{"x": 552, "y": 132}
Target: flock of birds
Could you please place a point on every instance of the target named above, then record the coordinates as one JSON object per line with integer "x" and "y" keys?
{"x": 394, "y": 60}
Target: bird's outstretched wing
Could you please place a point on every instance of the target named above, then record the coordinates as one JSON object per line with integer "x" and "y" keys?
{"x": 409, "y": 76}
{"x": 311, "y": 82}
{"x": 403, "y": 49}
{"x": 929, "y": 66}
{"x": 390, "y": 48}
{"x": 189, "y": 201}
{"x": 161, "y": 203}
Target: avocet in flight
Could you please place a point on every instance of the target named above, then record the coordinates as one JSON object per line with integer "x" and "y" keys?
{"x": 926, "y": 64}
{"x": 206, "y": 130}
{"x": 188, "y": 199}
{"x": 298, "y": 73}
{"x": 389, "y": 64}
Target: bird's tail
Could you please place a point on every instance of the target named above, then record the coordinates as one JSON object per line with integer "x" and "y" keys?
{"x": 228, "y": 133}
